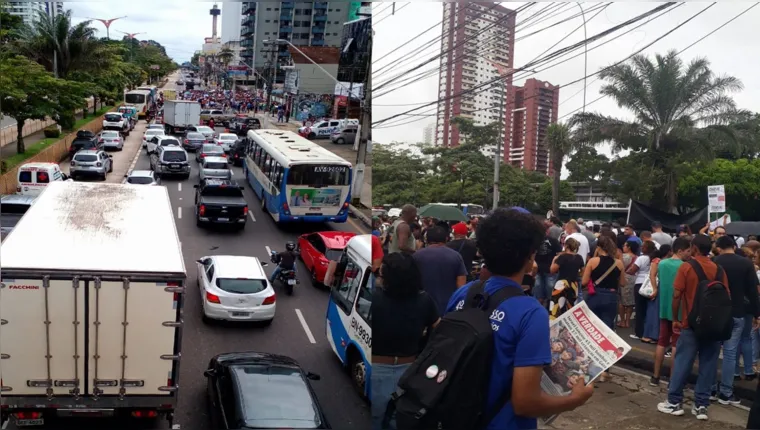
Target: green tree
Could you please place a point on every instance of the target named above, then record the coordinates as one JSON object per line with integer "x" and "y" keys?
{"x": 587, "y": 165}
{"x": 397, "y": 175}
{"x": 29, "y": 92}
{"x": 560, "y": 142}
{"x": 741, "y": 179}
{"x": 11, "y": 25}
{"x": 680, "y": 114}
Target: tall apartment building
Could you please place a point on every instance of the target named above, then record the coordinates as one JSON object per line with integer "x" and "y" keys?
{"x": 428, "y": 134}
{"x": 27, "y": 10}
{"x": 533, "y": 107}
{"x": 303, "y": 23}
{"x": 475, "y": 36}
{"x": 231, "y": 13}
{"x": 54, "y": 8}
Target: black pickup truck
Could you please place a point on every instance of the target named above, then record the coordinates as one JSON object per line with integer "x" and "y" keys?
{"x": 240, "y": 126}
{"x": 220, "y": 202}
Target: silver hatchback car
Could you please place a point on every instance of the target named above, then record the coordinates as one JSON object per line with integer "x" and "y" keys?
{"x": 214, "y": 168}
{"x": 91, "y": 163}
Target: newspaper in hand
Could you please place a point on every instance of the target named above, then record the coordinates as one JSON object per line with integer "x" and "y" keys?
{"x": 582, "y": 348}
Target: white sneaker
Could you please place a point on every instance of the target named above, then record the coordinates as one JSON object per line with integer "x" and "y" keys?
{"x": 633, "y": 336}
{"x": 668, "y": 408}
{"x": 699, "y": 412}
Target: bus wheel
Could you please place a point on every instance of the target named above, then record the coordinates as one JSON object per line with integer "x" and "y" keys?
{"x": 358, "y": 372}
{"x": 263, "y": 203}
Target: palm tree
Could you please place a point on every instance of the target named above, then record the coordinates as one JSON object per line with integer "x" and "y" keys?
{"x": 75, "y": 47}
{"x": 560, "y": 142}
{"x": 681, "y": 113}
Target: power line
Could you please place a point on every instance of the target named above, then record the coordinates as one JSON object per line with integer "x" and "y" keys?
{"x": 550, "y": 57}
{"x": 390, "y": 15}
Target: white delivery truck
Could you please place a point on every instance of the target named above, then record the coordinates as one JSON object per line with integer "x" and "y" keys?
{"x": 181, "y": 114}
{"x": 93, "y": 329}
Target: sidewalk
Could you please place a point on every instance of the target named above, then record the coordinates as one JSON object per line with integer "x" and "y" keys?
{"x": 641, "y": 358}
{"x": 628, "y": 402}
{"x": 8, "y": 132}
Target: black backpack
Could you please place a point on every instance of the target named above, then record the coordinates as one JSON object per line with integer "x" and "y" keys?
{"x": 711, "y": 316}
{"x": 447, "y": 385}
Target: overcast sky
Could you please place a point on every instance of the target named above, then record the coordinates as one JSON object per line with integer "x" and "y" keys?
{"x": 178, "y": 25}
{"x": 730, "y": 51}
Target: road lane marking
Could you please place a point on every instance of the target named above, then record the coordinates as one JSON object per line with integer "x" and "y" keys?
{"x": 269, "y": 251}
{"x": 179, "y": 212}
{"x": 5, "y": 424}
{"x": 251, "y": 214}
{"x": 305, "y": 326}
{"x": 179, "y": 186}
{"x": 133, "y": 164}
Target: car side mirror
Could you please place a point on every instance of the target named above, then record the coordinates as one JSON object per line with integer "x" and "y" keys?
{"x": 313, "y": 376}
{"x": 209, "y": 373}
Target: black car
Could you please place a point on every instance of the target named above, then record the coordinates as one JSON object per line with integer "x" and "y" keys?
{"x": 85, "y": 140}
{"x": 249, "y": 390}
{"x": 237, "y": 153}
{"x": 240, "y": 126}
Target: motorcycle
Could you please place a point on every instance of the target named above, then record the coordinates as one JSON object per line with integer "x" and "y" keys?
{"x": 287, "y": 278}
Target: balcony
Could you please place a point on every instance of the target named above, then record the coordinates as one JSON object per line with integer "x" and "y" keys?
{"x": 246, "y": 53}
{"x": 246, "y": 31}
{"x": 249, "y": 7}
{"x": 246, "y": 43}
{"x": 285, "y": 16}
{"x": 320, "y": 5}
{"x": 287, "y": 5}
{"x": 320, "y": 18}
{"x": 318, "y": 30}
{"x": 249, "y": 20}
{"x": 318, "y": 42}
{"x": 286, "y": 29}
{"x": 283, "y": 54}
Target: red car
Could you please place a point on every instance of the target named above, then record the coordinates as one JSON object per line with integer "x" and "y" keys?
{"x": 318, "y": 249}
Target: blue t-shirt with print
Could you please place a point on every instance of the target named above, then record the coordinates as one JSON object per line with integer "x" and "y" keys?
{"x": 521, "y": 339}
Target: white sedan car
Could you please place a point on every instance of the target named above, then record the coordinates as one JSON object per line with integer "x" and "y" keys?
{"x": 142, "y": 177}
{"x": 225, "y": 140}
{"x": 235, "y": 288}
{"x": 150, "y": 133}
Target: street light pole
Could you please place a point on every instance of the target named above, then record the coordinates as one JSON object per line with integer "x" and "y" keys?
{"x": 107, "y": 23}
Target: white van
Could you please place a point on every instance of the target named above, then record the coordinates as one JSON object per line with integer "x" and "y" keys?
{"x": 34, "y": 177}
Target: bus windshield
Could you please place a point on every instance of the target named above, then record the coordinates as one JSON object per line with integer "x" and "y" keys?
{"x": 318, "y": 175}
{"x": 134, "y": 98}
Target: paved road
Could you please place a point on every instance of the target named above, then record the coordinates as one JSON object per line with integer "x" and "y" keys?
{"x": 304, "y": 340}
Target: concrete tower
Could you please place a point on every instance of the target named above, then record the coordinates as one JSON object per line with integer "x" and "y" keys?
{"x": 214, "y": 12}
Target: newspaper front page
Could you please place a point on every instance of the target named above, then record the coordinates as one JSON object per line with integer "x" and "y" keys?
{"x": 582, "y": 348}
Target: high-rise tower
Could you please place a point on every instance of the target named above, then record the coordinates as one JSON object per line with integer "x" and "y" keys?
{"x": 214, "y": 12}
{"x": 475, "y": 36}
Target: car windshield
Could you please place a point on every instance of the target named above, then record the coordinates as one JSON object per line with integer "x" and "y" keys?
{"x": 228, "y": 137}
{"x": 175, "y": 156}
{"x": 215, "y": 166}
{"x": 196, "y": 136}
{"x": 110, "y": 134}
{"x": 134, "y": 98}
{"x": 154, "y": 132}
{"x": 212, "y": 149}
{"x": 318, "y": 175}
{"x": 274, "y": 397}
{"x": 169, "y": 142}
{"x": 140, "y": 180}
{"x": 112, "y": 117}
{"x": 204, "y": 129}
{"x": 241, "y": 286}
{"x": 87, "y": 158}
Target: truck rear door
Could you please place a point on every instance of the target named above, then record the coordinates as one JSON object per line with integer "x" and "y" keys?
{"x": 132, "y": 332}
{"x": 42, "y": 337}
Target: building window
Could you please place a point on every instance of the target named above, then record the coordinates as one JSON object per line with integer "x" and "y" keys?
{"x": 307, "y": 11}
{"x": 299, "y": 12}
{"x": 306, "y": 23}
{"x": 269, "y": 8}
{"x": 267, "y": 20}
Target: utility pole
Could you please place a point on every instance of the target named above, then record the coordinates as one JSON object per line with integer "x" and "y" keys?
{"x": 366, "y": 127}
{"x": 350, "y": 92}
{"x": 271, "y": 70}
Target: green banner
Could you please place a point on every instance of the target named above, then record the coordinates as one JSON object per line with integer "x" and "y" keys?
{"x": 353, "y": 10}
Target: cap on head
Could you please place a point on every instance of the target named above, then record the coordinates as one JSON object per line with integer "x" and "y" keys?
{"x": 460, "y": 229}
{"x": 589, "y": 224}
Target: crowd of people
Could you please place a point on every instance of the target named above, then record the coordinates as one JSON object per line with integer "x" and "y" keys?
{"x": 648, "y": 281}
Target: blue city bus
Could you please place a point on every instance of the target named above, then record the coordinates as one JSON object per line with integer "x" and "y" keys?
{"x": 349, "y": 318}
{"x": 295, "y": 179}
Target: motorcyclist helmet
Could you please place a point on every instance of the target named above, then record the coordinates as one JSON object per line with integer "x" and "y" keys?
{"x": 290, "y": 246}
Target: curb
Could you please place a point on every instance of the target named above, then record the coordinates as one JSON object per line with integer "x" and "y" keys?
{"x": 645, "y": 365}
{"x": 363, "y": 218}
